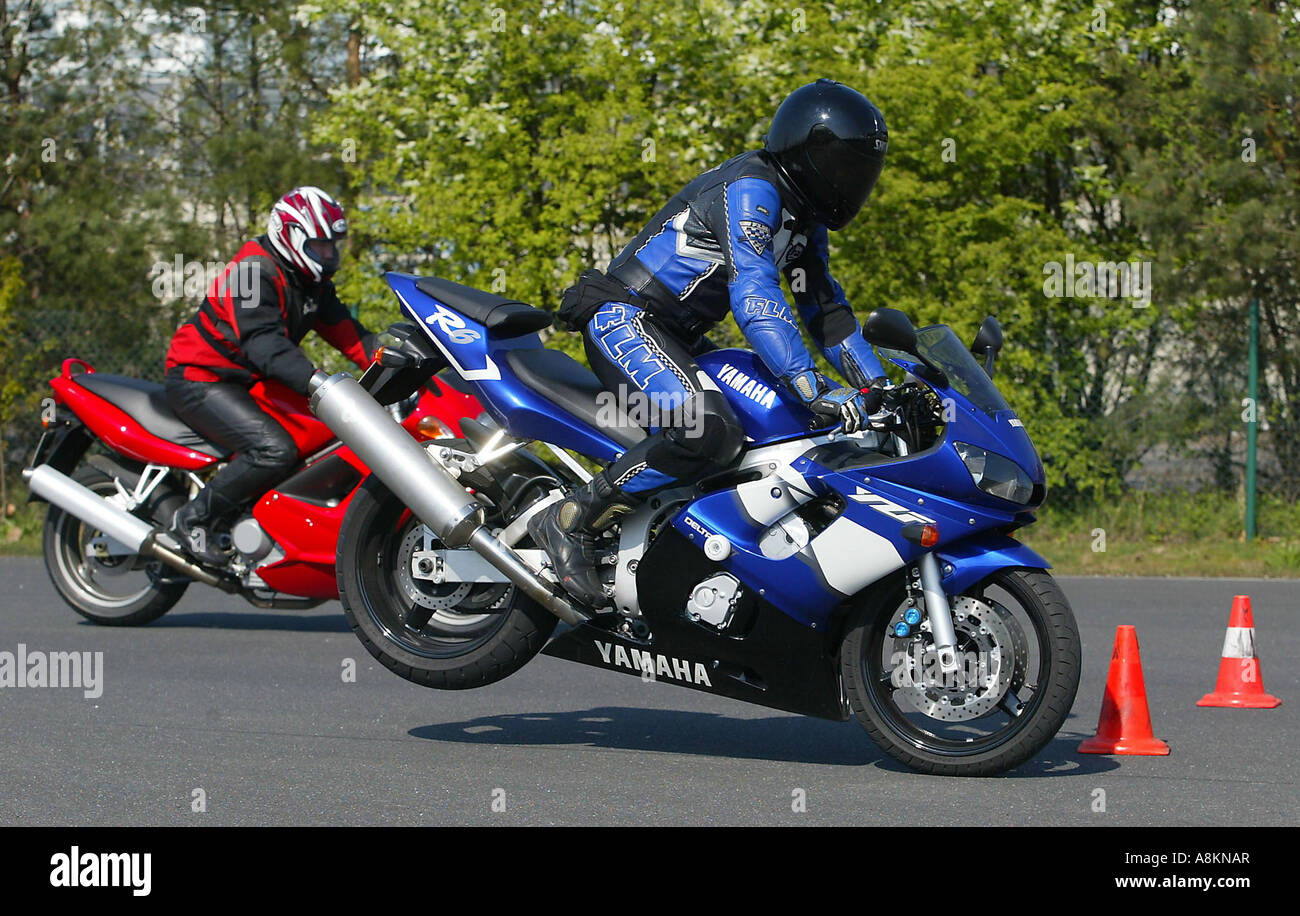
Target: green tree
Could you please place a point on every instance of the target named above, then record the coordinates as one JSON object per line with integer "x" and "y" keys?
{"x": 77, "y": 201}
{"x": 1221, "y": 197}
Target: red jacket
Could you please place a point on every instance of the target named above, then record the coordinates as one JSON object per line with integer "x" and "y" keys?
{"x": 249, "y": 326}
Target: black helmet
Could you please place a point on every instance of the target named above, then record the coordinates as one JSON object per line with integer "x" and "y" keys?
{"x": 830, "y": 142}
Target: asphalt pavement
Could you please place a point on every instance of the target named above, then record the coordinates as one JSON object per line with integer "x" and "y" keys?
{"x": 220, "y": 713}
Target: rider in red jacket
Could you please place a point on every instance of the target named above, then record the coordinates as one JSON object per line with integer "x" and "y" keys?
{"x": 276, "y": 289}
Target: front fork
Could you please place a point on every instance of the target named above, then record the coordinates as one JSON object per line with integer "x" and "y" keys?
{"x": 936, "y": 608}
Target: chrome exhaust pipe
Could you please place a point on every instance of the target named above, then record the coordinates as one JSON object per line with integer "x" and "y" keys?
{"x": 134, "y": 534}
{"x": 62, "y": 491}
{"x": 422, "y": 484}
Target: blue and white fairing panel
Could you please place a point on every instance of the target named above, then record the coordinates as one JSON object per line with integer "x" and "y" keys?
{"x": 463, "y": 342}
{"x": 767, "y": 410}
{"x": 481, "y": 359}
{"x": 807, "y": 578}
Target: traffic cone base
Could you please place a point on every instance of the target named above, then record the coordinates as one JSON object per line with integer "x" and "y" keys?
{"x": 1136, "y": 747}
{"x": 1125, "y": 723}
{"x": 1240, "y": 683}
{"x": 1227, "y": 699}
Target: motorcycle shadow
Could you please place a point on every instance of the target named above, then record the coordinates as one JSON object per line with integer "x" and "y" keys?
{"x": 779, "y": 738}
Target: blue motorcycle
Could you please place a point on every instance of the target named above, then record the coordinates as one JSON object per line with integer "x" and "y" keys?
{"x": 872, "y": 575}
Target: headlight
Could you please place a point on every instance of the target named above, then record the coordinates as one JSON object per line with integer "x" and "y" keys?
{"x": 994, "y": 474}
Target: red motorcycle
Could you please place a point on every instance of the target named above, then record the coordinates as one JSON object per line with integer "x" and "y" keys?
{"x": 106, "y": 548}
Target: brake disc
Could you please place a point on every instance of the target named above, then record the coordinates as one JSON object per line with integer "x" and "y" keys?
{"x": 991, "y": 654}
{"x": 436, "y": 597}
{"x": 456, "y": 605}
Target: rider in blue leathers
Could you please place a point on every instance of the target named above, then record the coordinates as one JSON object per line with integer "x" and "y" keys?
{"x": 720, "y": 245}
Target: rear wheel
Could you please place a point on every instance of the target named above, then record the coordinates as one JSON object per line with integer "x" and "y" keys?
{"x": 1019, "y": 655}
{"x": 99, "y": 584}
{"x": 448, "y": 636}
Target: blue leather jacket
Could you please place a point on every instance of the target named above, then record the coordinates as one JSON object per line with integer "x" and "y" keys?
{"x": 720, "y": 243}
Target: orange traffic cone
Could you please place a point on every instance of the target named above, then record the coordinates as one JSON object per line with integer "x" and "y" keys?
{"x": 1240, "y": 682}
{"x": 1125, "y": 724}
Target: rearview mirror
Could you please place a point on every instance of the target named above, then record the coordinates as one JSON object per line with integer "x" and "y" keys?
{"x": 891, "y": 329}
{"x": 988, "y": 341}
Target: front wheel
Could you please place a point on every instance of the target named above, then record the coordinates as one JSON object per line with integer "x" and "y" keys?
{"x": 448, "y": 636}
{"x": 1019, "y": 658}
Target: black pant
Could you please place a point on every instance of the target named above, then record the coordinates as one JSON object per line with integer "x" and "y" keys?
{"x": 226, "y": 413}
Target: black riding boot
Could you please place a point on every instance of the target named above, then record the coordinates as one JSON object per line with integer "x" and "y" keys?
{"x": 192, "y": 525}
{"x": 567, "y": 531}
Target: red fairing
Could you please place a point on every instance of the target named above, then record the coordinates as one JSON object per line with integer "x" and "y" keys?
{"x": 446, "y": 404}
{"x": 120, "y": 432}
{"x": 290, "y": 409}
{"x": 308, "y": 535}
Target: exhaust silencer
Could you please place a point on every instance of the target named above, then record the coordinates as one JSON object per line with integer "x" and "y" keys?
{"x": 133, "y": 533}
{"x": 62, "y": 491}
{"x": 422, "y": 484}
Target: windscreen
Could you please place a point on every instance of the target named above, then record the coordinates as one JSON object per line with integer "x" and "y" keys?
{"x": 940, "y": 346}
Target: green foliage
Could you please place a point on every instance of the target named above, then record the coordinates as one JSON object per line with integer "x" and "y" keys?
{"x": 134, "y": 135}
{"x": 1172, "y": 533}
{"x": 1218, "y": 192}
{"x": 535, "y": 143}
{"x": 512, "y": 146}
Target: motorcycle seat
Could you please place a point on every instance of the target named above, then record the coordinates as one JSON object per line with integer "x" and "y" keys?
{"x": 146, "y": 403}
{"x": 563, "y": 381}
{"x": 505, "y": 318}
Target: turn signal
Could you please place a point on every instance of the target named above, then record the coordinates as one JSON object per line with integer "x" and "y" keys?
{"x": 925, "y": 535}
{"x": 432, "y": 428}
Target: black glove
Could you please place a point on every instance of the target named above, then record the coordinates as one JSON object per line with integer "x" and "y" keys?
{"x": 848, "y": 406}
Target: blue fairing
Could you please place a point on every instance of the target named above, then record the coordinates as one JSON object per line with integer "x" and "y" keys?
{"x": 767, "y": 410}
{"x": 976, "y": 558}
{"x": 873, "y": 492}
{"x": 999, "y": 431}
{"x": 481, "y": 358}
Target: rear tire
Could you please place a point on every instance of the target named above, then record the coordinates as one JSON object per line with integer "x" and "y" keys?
{"x": 477, "y": 635}
{"x": 87, "y": 584}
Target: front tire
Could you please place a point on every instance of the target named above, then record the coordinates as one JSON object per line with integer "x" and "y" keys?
{"x": 112, "y": 591}
{"x": 1018, "y": 629}
{"x": 448, "y": 637}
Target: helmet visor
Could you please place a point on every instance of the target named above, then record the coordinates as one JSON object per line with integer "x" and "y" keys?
{"x": 325, "y": 252}
{"x": 849, "y": 170}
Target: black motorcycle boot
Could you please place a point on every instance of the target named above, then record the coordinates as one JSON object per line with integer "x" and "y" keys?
{"x": 567, "y": 532}
{"x": 192, "y": 525}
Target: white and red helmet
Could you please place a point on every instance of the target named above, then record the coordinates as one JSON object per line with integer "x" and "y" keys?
{"x": 306, "y": 214}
